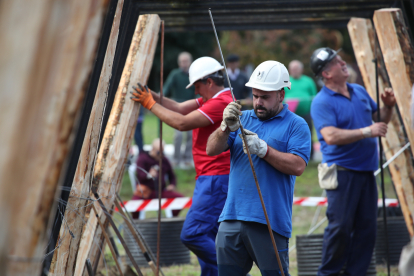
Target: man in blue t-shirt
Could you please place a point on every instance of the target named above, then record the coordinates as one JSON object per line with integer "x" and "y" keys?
{"x": 279, "y": 142}
{"x": 343, "y": 113}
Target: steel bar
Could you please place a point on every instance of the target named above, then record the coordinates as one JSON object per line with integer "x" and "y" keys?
{"x": 250, "y": 157}
{"x": 392, "y": 158}
{"x": 380, "y": 155}
{"x": 89, "y": 267}
{"x": 160, "y": 176}
{"x": 136, "y": 237}
{"x": 147, "y": 248}
{"x": 111, "y": 221}
{"x": 108, "y": 241}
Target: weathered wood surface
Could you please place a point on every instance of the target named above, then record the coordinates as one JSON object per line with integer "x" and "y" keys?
{"x": 64, "y": 258}
{"x": 363, "y": 41}
{"x": 398, "y": 55}
{"x": 20, "y": 21}
{"x": 119, "y": 131}
{"x": 54, "y": 43}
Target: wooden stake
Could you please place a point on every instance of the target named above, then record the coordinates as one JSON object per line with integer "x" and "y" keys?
{"x": 113, "y": 152}
{"x": 65, "y": 256}
{"x": 398, "y": 56}
{"x": 47, "y": 54}
{"x": 108, "y": 242}
{"x": 363, "y": 42}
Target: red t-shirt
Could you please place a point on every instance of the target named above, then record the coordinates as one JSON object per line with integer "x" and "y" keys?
{"x": 213, "y": 110}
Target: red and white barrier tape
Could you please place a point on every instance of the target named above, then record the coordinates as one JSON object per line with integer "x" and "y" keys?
{"x": 180, "y": 203}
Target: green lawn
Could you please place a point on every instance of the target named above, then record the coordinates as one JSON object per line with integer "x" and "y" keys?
{"x": 306, "y": 185}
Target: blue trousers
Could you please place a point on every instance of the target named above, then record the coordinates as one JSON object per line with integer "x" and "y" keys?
{"x": 239, "y": 243}
{"x": 200, "y": 226}
{"x": 349, "y": 238}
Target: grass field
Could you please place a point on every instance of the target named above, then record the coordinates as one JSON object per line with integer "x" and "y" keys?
{"x": 306, "y": 185}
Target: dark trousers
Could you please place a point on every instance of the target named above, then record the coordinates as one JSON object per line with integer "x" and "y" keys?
{"x": 200, "y": 226}
{"x": 308, "y": 120}
{"x": 239, "y": 243}
{"x": 349, "y": 238}
{"x": 138, "y": 137}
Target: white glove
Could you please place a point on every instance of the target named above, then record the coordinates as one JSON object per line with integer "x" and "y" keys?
{"x": 256, "y": 145}
{"x": 231, "y": 117}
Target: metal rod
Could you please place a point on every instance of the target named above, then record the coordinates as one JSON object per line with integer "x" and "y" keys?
{"x": 160, "y": 176}
{"x": 108, "y": 241}
{"x": 136, "y": 237}
{"x": 144, "y": 242}
{"x": 89, "y": 267}
{"x": 398, "y": 153}
{"x": 250, "y": 157}
{"x": 111, "y": 221}
{"x": 380, "y": 155}
{"x": 317, "y": 213}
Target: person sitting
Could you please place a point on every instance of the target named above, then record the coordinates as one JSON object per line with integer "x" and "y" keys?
{"x": 148, "y": 175}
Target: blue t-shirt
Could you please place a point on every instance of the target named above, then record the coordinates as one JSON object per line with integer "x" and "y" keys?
{"x": 333, "y": 109}
{"x": 285, "y": 132}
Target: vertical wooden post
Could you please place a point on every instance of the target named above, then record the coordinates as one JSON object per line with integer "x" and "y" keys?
{"x": 116, "y": 140}
{"x": 398, "y": 56}
{"x": 61, "y": 37}
{"x": 64, "y": 257}
{"x": 363, "y": 41}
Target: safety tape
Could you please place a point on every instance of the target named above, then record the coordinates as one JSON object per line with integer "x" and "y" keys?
{"x": 180, "y": 203}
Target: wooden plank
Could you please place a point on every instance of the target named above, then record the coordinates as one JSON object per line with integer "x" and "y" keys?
{"x": 64, "y": 257}
{"x": 118, "y": 133}
{"x": 398, "y": 56}
{"x": 363, "y": 41}
{"x": 19, "y": 21}
{"x": 62, "y": 50}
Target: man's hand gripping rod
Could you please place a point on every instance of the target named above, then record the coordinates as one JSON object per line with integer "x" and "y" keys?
{"x": 248, "y": 154}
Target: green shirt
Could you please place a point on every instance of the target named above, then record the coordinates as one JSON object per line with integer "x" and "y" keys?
{"x": 174, "y": 86}
{"x": 303, "y": 89}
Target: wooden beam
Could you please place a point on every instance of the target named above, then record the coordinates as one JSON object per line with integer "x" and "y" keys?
{"x": 20, "y": 21}
{"x": 59, "y": 39}
{"x": 363, "y": 41}
{"x": 113, "y": 152}
{"x": 64, "y": 258}
{"x": 398, "y": 56}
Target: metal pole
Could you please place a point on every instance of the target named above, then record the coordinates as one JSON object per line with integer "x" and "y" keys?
{"x": 392, "y": 158}
{"x": 111, "y": 221}
{"x": 147, "y": 248}
{"x": 380, "y": 155}
{"x": 250, "y": 157}
{"x": 108, "y": 241}
{"x": 160, "y": 176}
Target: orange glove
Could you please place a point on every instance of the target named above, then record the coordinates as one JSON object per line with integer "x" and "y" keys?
{"x": 143, "y": 96}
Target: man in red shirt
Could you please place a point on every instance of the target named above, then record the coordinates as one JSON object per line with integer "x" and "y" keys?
{"x": 203, "y": 115}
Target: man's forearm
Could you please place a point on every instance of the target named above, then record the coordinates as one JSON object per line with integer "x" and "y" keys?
{"x": 217, "y": 142}
{"x": 386, "y": 114}
{"x": 337, "y": 136}
{"x": 286, "y": 163}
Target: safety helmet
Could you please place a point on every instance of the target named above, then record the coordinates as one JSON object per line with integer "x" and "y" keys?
{"x": 320, "y": 58}
{"x": 203, "y": 67}
{"x": 269, "y": 76}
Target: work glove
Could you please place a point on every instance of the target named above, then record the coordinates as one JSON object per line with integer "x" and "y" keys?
{"x": 143, "y": 96}
{"x": 256, "y": 145}
{"x": 231, "y": 116}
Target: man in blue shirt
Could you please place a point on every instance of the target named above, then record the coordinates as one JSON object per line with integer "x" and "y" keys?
{"x": 279, "y": 142}
{"x": 343, "y": 113}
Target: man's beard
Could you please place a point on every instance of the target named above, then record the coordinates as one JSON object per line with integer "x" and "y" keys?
{"x": 267, "y": 114}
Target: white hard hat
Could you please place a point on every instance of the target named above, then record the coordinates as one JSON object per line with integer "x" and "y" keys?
{"x": 269, "y": 76}
{"x": 203, "y": 67}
